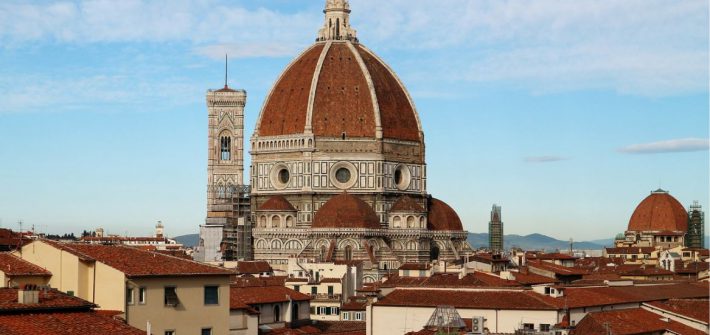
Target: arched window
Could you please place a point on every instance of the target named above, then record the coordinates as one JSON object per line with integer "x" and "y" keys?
{"x": 289, "y": 221}
{"x": 348, "y": 253}
{"x": 262, "y": 221}
{"x": 396, "y": 222}
{"x": 261, "y": 244}
{"x": 277, "y": 313}
{"x": 276, "y": 244}
{"x": 225, "y": 148}
{"x": 422, "y": 222}
{"x": 322, "y": 253}
{"x": 434, "y": 252}
{"x": 410, "y": 222}
{"x": 411, "y": 245}
{"x": 337, "y": 28}
{"x": 275, "y": 221}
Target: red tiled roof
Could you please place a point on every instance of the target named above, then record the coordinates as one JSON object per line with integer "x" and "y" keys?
{"x": 557, "y": 269}
{"x": 443, "y": 217}
{"x": 140, "y": 263}
{"x": 346, "y": 211}
{"x": 452, "y": 280}
{"x": 354, "y": 304}
{"x": 48, "y": 300}
{"x": 109, "y": 239}
{"x": 490, "y": 299}
{"x": 64, "y": 323}
{"x": 659, "y": 211}
{"x": 14, "y": 266}
{"x": 277, "y": 203}
{"x": 406, "y": 204}
{"x": 698, "y": 309}
{"x": 629, "y": 322}
{"x": 253, "y": 267}
{"x": 415, "y": 266}
{"x": 646, "y": 271}
{"x": 532, "y": 279}
{"x": 555, "y": 256}
{"x": 576, "y": 297}
{"x": 489, "y": 258}
{"x": 255, "y": 295}
{"x": 692, "y": 267}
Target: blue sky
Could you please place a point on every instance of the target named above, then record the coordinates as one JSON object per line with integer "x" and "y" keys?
{"x": 566, "y": 113}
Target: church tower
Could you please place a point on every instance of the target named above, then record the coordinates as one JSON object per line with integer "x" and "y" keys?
{"x": 226, "y": 234}
{"x": 225, "y": 155}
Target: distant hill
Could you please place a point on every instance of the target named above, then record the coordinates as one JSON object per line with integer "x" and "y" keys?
{"x": 535, "y": 242}
{"x": 189, "y": 240}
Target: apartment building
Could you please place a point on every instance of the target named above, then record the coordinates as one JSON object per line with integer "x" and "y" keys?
{"x": 167, "y": 294}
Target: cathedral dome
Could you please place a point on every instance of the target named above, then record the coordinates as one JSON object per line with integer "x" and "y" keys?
{"x": 346, "y": 211}
{"x": 337, "y": 88}
{"x": 277, "y": 203}
{"x": 443, "y": 217}
{"x": 660, "y": 211}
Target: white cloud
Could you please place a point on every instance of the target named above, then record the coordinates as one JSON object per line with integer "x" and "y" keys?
{"x": 544, "y": 159}
{"x": 643, "y": 47}
{"x": 676, "y": 145}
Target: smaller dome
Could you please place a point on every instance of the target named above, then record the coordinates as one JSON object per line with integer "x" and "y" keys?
{"x": 660, "y": 211}
{"x": 406, "y": 204}
{"x": 442, "y": 216}
{"x": 346, "y": 211}
{"x": 277, "y": 203}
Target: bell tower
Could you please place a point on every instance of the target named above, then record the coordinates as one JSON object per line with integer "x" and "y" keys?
{"x": 226, "y": 234}
{"x": 225, "y": 161}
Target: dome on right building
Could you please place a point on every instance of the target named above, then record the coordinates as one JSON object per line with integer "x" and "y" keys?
{"x": 660, "y": 211}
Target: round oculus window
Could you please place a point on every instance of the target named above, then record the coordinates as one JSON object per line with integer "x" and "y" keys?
{"x": 398, "y": 176}
{"x": 342, "y": 175}
{"x": 284, "y": 176}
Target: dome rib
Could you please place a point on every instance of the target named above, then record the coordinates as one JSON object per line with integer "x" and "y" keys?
{"x": 342, "y": 103}
{"x": 288, "y": 99}
{"x": 314, "y": 87}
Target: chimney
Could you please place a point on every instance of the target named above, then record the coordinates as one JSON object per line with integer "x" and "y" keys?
{"x": 28, "y": 295}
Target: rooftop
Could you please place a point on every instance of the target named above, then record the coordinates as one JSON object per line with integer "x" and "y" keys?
{"x": 697, "y": 309}
{"x": 14, "y": 266}
{"x": 138, "y": 263}
{"x": 483, "y": 299}
{"x": 630, "y": 321}
{"x": 64, "y": 323}
{"x": 49, "y": 300}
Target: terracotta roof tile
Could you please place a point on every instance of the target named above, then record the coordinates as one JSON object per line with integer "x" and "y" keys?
{"x": 659, "y": 212}
{"x": 628, "y": 322}
{"x": 555, "y": 256}
{"x": 406, "y": 204}
{"x": 600, "y": 296}
{"x": 442, "y": 216}
{"x": 277, "y": 203}
{"x": 698, "y": 309}
{"x": 346, "y": 211}
{"x": 140, "y": 263}
{"x": 518, "y": 300}
{"x": 14, "y": 266}
{"x": 452, "y": 280}
{"x": 48, "y": 300}
{"x": 253, "y": 267}
{"x": 64, "y": 323}
{"x": 254, "y": 295}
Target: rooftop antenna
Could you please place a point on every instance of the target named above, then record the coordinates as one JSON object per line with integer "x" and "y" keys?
{"x": 225, "y": 70}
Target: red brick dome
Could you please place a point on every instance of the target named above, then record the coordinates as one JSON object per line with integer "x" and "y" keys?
{"x": 335, "y": 88}
{"x": 660, "y": 211}
{"x": 443, "y": 217}
{"x": 346, "y": 211}
{"x": 406, "y": 204}
{"x": 277, "y": 203}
